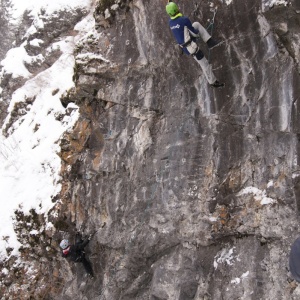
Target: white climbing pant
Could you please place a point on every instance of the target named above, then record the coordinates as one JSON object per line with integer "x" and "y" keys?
{"x": 207, "y": 69}
{"x": 205, "y": 66}
{"x": 202, "y": 32}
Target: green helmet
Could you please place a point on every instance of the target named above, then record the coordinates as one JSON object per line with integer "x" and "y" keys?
{"x": 172, "y": 9}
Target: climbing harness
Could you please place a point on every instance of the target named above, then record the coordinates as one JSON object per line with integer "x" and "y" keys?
{"x": 191, "y": 46}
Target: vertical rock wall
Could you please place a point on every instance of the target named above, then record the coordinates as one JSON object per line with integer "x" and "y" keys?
{"x": 193, "y": 192}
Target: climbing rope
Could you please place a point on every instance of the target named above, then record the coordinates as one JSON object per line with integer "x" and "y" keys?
{"x": 211, "y": 26}
{"x": 211, "y": 23}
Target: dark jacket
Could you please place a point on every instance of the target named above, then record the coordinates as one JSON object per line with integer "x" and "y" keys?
{"x": 294, "y": 261}
{"x": 76, "y": 252}
{"x": 177, "y": 27}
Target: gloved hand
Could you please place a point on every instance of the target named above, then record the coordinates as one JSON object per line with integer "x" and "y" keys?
{"x": 179, "y": 50}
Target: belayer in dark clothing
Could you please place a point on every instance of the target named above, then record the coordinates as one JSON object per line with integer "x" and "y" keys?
{"x": 186, "y": 33}
{"x": 76, "y": 252}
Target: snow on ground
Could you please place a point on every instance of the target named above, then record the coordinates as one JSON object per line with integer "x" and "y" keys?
{"x": 19, "y": 6}
{"x": 29, "y": 164}
{"x": 14, "y": 62}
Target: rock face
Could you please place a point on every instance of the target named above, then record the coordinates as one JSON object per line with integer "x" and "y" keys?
{"x": 192, "y": 192}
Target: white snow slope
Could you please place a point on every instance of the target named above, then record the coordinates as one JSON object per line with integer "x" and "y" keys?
{"x": 29, "y": 164}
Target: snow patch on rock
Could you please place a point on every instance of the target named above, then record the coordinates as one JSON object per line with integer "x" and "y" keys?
{"x": 224, "y": 256}
{"x": 258, "y": 194}
{"x": 237, "y": 280}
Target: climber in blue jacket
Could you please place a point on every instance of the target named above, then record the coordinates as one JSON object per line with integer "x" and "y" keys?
{"x": 186, "y": 33}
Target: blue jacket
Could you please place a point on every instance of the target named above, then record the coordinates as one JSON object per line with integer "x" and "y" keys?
{"x": 177, "y": 27}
